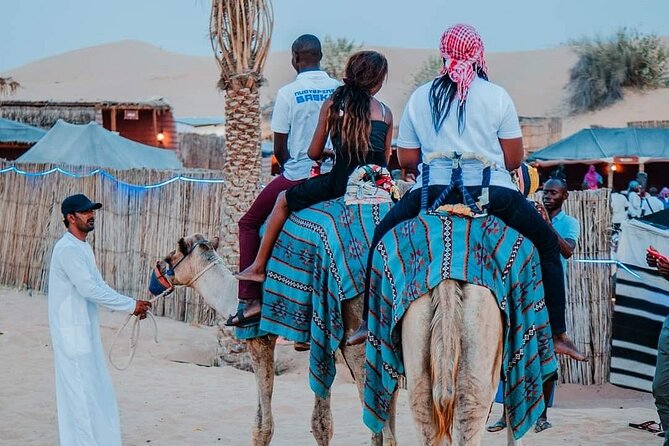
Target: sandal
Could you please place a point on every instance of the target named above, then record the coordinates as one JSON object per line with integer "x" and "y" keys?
{"x": 496, "y": 427}
{"x": 301, "y": 346}
{"x": 650, "y": 426}
{"x": 542, "y": 425}
{"x": 241, "y": 319}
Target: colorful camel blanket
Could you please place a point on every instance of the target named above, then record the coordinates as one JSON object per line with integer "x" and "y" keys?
{"x": 417, "y": 255}
{"x": 317, "y": 263}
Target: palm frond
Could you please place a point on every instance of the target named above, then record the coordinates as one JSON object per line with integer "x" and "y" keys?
{"x": 240, "y": 33}
{"x": 8, "y": 86}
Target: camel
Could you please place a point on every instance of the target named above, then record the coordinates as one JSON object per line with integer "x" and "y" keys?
{"x": 200, "y": 267}
{"x": 452, "y": 343}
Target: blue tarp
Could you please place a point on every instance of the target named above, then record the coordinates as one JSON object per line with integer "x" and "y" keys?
{"x": 12, "y": 131}
{"x": 602, "y": 145}
{"x": 92, "y": 145}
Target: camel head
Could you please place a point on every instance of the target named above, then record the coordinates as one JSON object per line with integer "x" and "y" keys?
{"x": 192, "y": 255}
{"x": 196, "y": 264}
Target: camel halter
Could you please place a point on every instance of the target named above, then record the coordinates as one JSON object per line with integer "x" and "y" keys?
{"x": 135, "y": 330}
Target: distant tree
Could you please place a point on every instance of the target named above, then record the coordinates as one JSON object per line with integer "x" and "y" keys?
{"x": 427, "y": 71}
{"x": 8, "y": 86}
{"x": 606, "y": 66}
{"x": 336, "y": 53}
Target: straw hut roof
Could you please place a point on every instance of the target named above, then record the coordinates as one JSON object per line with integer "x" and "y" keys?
{"x": 45, "y": 113}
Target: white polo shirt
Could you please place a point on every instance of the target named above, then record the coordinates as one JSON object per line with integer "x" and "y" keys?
{"x": 296, "y": 111}
{"x": 490, "y": 114}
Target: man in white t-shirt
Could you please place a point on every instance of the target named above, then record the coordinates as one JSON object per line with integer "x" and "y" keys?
{"x": 619, "y": 209}
{"x": 294, "y": 120}
{"x": 634, "y": 193}
{"x": 650, "y": 203}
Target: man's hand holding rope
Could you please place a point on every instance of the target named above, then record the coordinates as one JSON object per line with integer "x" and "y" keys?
{"x": 141, "y": 307}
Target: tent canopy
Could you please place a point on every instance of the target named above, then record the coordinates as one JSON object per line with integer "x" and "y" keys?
{"x": 600, "y": 145}
{"x": 17, "y": 132}
{"x": 92, "y": 145}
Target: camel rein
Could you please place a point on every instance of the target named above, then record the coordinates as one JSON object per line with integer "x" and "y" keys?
{"x": 135, "y": 330}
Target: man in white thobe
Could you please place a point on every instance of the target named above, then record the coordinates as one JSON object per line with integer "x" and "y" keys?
{"x": 85, "y": 400}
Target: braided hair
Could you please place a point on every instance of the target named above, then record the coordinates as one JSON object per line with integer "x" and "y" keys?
{"x": 442, "y": 94}
{"x": 349, "y": 116}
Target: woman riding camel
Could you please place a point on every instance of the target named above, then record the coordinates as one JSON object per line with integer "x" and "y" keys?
{"x": 360, "y": 129}
{"x": 461, "y": 111}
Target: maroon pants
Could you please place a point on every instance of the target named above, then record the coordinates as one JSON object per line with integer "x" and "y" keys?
{"x": 249, "y": 228}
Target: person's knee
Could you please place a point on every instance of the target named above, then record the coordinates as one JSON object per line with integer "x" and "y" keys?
{"x": 661, "y": 392}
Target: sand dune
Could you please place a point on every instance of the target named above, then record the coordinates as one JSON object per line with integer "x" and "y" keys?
{"x": 132, "y": 70}
{"x": 168, "y": 403}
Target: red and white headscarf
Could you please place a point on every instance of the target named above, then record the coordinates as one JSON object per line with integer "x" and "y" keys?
{"x": 462, "y": 48}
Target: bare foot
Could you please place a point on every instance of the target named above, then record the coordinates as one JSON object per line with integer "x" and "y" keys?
{"x": 565, "y": 346}
{"x": 251, "y": 274}
{"x": 359, "y": 336}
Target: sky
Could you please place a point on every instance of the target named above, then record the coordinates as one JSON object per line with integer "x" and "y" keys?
{"x": 34, "y": 29}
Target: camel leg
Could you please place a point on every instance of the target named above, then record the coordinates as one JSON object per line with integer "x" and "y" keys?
{"x": 416, "y": 325}
{"x": 321, "y": 421}
{"x": 479, "y": 365}
{"x": 261, "y": 351}
{"x": 354, "y": 356}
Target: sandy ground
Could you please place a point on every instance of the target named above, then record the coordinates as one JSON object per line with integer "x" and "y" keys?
{"x": 166, "y": 402}
{"x": 133, "y": 70}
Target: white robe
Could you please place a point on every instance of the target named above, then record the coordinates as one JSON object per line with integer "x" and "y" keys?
{"x": 85, "y": 399}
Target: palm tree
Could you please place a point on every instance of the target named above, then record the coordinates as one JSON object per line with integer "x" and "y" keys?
{"x": 8, "y": 86}
{"x": 240, "y": 33}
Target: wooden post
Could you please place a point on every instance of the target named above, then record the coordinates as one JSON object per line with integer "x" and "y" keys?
{"x": 642, "y": 167}
{"x": 609, "y": 182}
{"x": 155, "y": 129}
{"x": 113, "y": 119}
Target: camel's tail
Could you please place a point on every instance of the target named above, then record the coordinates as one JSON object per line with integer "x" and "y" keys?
{"x": 445, "y": 352}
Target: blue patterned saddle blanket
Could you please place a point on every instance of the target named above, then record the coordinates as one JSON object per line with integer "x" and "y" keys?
{"x": 418, "y": 254}
{"x": 317, "y": 263}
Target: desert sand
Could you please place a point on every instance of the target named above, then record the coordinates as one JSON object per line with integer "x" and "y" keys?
{"x": 133, "y": 71}
{"x": 166, "y": 399}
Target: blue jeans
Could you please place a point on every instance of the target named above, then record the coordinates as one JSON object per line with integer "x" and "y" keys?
{"x": 514, "y": 210}
{"x": 661, "y": 379}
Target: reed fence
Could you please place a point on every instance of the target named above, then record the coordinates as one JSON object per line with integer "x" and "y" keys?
{"x": 135, "y": 227}
{"x": 589, "y": 289}
{"x": 202, "y": 151}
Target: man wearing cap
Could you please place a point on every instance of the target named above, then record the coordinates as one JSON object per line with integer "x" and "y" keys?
{"x": 85, "y": 400}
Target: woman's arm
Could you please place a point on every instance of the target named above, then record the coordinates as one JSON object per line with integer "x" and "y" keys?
{"x": 409, "y": 158}
{"x": 389, "y": 135}
{"x": 317, "y": 145}
{"x": 513, "y": 152}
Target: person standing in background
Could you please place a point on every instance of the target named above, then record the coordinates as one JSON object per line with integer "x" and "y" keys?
{"x": 619, "y": 206}
{"x": 651, "y": 203}
{"x": 664, "y": 197}
{"x": 568, "y": 231}
{"x": 661, "y": 379}
{"x": 634, "y": 193}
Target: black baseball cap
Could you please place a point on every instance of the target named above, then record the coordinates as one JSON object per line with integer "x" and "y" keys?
{"x": 78, "y": 203}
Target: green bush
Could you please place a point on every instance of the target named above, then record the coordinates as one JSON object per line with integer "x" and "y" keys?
{"x": 606, "y": 66}
{"x": 427, "y": 71}
{"x": 335, "y": 55}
